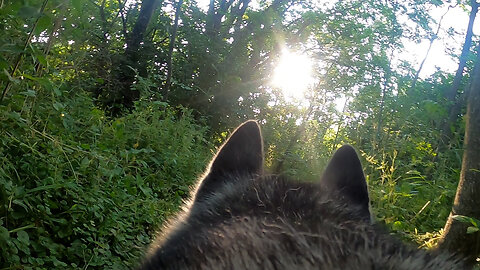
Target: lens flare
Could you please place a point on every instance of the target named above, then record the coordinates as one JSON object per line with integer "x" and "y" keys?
{"x": 293, "y": 74}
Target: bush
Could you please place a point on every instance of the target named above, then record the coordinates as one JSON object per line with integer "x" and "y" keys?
{"x": 78, "y": 190}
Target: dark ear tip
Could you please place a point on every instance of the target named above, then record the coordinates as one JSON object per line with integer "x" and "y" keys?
{"x": 346, "y": 150}
{"x": 346, "y": 147}
{"x": 249, "y": 130}
{"x": 347, "y": 155}
{"x": 344, "y": 174}
{"x": 250, "y": 124}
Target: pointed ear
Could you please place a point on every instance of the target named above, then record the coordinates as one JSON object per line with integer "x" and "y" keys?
{"x": 242, "y": 154}
{"x": 344, "y": 174}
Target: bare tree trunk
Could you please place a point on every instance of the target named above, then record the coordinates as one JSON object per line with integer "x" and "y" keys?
{"x": 136, "y": 37}
{"x": 173, "y": 37}
{"x": 451, "y": 94}
{"x": 467, "y": 200}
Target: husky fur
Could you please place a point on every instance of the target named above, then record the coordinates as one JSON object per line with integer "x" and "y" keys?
{"x": 240, "y": 218}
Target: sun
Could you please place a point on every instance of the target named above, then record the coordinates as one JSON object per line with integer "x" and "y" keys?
{"x": 293, "y": 74}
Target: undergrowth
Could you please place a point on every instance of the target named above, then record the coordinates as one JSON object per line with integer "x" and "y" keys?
{"x": 410, "y": 194}
{"x": 78, "y": 190}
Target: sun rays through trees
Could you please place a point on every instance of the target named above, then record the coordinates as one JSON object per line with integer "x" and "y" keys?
{"x": 110, "y": 108}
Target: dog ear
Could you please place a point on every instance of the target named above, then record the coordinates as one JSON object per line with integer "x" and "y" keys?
{"x": 242, "y": 154}
{"x": 344, "y": 175}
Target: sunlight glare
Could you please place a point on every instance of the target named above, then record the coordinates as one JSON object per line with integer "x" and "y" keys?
{"x": 340, "y": 103}
{"x": 293, "y": 74}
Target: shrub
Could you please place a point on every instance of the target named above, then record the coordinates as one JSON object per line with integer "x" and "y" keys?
{"x": 78, "y": 190}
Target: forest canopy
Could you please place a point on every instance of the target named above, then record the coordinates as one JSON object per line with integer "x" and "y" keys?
{"x": 110, "y": 109}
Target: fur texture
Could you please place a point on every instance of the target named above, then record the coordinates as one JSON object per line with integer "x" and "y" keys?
{"x": 242, "y": 219}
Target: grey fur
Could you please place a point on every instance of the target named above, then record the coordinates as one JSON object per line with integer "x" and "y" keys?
{"x": 245, "y": 220}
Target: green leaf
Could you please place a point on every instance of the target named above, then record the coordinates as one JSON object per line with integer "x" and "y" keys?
{"x": 4, "y": 63}
{"x": 472, "y": 229}
{"x": 43, "y": 188}
{"x": 77, "y": 4}
{"x": 20, "y": 203}
{"x": 29, "y": 93}
{"x": 43, "y": 24}
{"x": 4, "y": 234}
{"x": 22, "y": 236}
{"x": 27, "y": 12}
{"x": 41, "y": 58}
{"x": 29, "y": 77}
{"x": 10, "y": 78}
{"x": 461, "y": 218}
{"x": 464, "y": 219}
{"x": 58, "y": 106}
{"x": 85, "y": 162}
{"x": 85, "y": 146}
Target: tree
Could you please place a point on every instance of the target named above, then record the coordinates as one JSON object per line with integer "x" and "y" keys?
{"x": 229, "y": 58}
{"x": 451, "y": 94}
{"x": 122, "y": 95}
{"x": 467, "y": 200}
{"x": 432, "y": 38}
{"x": 171, "y": 46}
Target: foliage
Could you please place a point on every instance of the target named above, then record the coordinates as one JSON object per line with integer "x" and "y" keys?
{"x": 80, "y": 188}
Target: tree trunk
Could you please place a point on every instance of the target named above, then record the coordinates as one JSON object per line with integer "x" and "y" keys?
{"x": 459, "y": 104}
{"x": 132, "y": 51}
{"x": 451, "y": 94}
{"x": 122, "y": 95}
{"x": 467, "y": 200}
{"x": 213, "y": 24}
{"x": 173, "y": 37}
